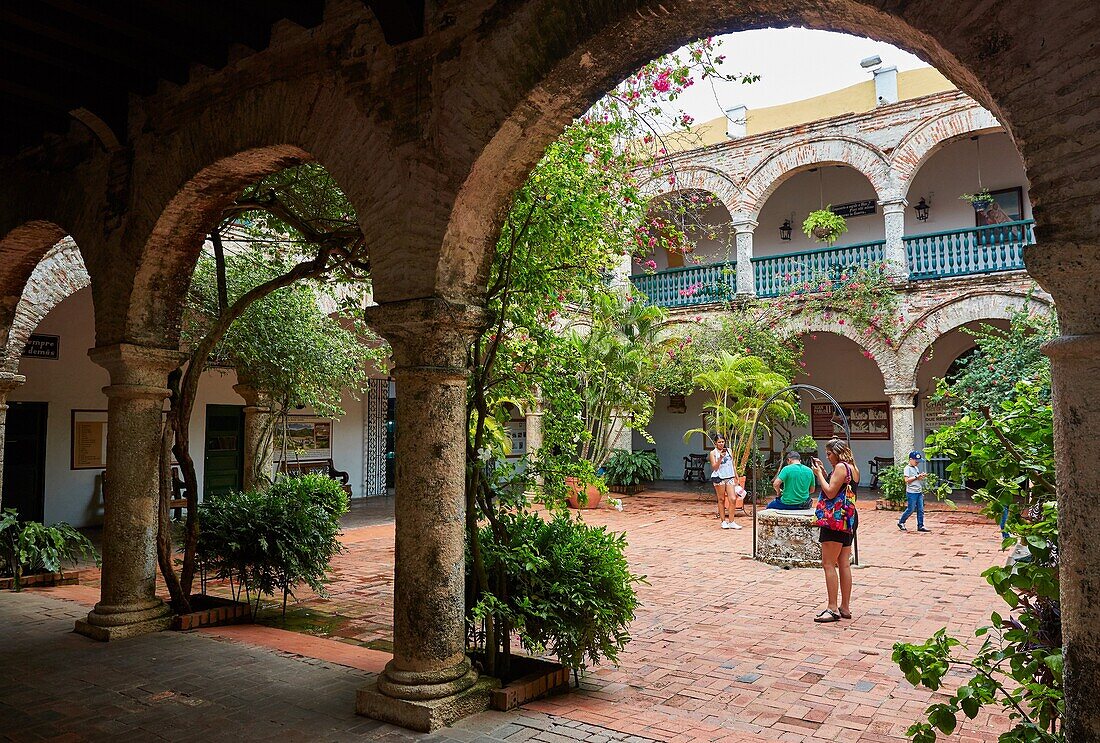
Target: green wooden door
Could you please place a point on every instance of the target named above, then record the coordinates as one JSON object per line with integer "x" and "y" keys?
{"x": 224, "y": 462}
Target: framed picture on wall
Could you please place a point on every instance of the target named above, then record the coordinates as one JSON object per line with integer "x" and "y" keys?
{"x": 1007, "y": 206}
{"x": 867, "y": 420}
{"x": 88, "y": 440}
{"x": 308, "y": 439}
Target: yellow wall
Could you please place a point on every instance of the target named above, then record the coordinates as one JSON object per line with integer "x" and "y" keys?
{"x": 857, "y": 98}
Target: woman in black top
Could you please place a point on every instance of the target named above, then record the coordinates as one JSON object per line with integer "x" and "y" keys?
{"x": 836, "y": 546}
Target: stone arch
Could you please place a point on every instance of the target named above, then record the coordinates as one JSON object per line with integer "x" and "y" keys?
{"x": 194, "y": 171}
{"x": 927, "y": 327}
{"x": 21, "y": 249}
{"x": 869, "y": 340}
{"x": 697, "y": 178}
{"x": 766, "y": 177}
{"x": 59, "y": 275}
{"x": 930, "y": 136}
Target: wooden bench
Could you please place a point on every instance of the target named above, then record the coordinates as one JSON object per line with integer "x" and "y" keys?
{"x": 319, "y": 466}
{"x": 877, "y": 465}
{"x": 694, "y": 467}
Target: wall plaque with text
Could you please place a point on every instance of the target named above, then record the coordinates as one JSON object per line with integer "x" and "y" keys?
{"x": 42, "y": 346}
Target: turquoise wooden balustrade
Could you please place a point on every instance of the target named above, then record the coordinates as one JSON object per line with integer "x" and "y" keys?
{"x": 683, "y": 287}
{"x": 977, "y": 250}
{"x": 774, "y": 274}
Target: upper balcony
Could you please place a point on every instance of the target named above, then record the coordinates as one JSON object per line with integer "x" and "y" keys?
{"x": 933, "y": 255}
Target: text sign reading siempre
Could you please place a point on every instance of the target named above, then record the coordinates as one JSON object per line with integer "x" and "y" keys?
{"x": 854, "y": 208}
{"x": 42, "y": 347}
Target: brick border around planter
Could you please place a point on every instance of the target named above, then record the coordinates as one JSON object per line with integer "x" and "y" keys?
{"x": 549, "y": 678}
{"x": 42, "y": 580}
{"x": 220, "y": 611}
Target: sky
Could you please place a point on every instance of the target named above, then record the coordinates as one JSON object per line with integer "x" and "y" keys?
{"x": 793, "y": 63}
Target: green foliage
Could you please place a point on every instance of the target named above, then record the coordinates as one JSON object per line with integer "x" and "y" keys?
{"x": 632, "y": 468}
{"x": 738, "y": 386}
{"x": 1009, "y": 448}
{"x": 1003, "y": 359}
{"x": 29, "y": 547}
{"x": 271, "y": 541}
{"x": 891, "y": 485}
{"x": 981, "y": 199}
{"x": 804, "y": 444}
{"x": 824, "y": 226}
{"x": 569, "y": 588}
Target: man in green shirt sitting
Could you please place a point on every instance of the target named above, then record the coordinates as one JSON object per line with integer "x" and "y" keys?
{"x": 796, "y": 481}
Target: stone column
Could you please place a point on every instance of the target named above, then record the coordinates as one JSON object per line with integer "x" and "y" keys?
{"x": 128, "y": 602}
{"x": 1068, "y": 272}
{"x": 902, "y": 423}
{"x": 746, "y": 278}
{"x": 8, "y": 382}
{"x": 430, "y": 682}
{"x": 259, "y": 451}
{"x": 897, "y": 262}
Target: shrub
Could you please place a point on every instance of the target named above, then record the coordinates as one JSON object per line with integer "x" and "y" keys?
{"x": 274, "y": 540}
{"x": 568, "y": 588}
{"x": 891, "y": 484}
{"x": 30, "y": 547}
{"x": 805, "y": 443}
{"x": 632, "y": 468}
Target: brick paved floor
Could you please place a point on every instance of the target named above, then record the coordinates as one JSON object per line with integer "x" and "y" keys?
{"x": 723, "y": 647}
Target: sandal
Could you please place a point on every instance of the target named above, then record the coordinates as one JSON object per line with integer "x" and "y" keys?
{"x": 845, "y": 614}
{"x": 826, "y": 616}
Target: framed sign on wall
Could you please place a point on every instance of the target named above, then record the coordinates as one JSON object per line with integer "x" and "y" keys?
{"x": 308, "y": 438}
{"x": 88, "y": 440}
{"x": 867, "y": 420}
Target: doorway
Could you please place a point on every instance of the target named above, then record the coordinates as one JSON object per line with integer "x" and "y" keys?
{"x": 223, "y": 469}
{"x": 25, "y": 460}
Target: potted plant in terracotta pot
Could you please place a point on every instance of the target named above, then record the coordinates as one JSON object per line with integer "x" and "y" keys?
{"x": 628, "y": 472}
{"x": 585, "y": 492}
{"x": 824, "y": 226}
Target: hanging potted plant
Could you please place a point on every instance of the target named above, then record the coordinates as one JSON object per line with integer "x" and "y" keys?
{"x": 980, "y": 200}
{"x": 824, "y": 226}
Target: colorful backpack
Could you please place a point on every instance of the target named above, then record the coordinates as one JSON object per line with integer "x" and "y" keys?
{"x": 839, "y": 512}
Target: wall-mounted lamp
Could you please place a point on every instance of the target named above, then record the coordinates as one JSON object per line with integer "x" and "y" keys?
{"x": 922, "y": 208}
{"x": 785, "y": 230}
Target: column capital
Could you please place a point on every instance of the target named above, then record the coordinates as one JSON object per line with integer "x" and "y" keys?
{"x": 893, "y": 204}
{"x": 744, "y": 225}
{"x": 252, "y": 396}
{"x": 1068, "y": 271}
{"x": 428, "y": 333}
{"x": 901, "y": 397}
{"x": 9, "y": 381}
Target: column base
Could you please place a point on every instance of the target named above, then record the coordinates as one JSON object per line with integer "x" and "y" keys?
{"x": 426, "y": 715}
{"x": 118, "y": 625}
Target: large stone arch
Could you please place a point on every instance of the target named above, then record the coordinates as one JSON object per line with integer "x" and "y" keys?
{"x": 865, "y": 158}
{"x": 21, "y": 249}
{"x": 930, "y": 136}
{"x": 974, "y": 306}
{"x": 59, "y": 275}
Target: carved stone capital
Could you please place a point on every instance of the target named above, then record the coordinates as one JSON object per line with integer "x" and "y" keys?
{"x": 429, "y": 333}
{"x": 136, "y": 371}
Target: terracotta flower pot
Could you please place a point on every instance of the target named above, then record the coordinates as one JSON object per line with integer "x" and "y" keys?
{"x": 821, "y": 232}
{"x": 574, "y": 500}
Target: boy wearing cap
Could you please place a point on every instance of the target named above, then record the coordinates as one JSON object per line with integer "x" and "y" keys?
{"x": 914, "y": 491}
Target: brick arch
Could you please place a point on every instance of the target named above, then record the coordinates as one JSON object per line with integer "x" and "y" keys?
{"x": 696, "y": 178}
{"x": 21, "y": 249}
{"x": 198, "y": 168}
{"x": 873, "y": 342}
{"x": 59, "y": 275}
{"x": 927, "y": 328}
{"x": 865, "y": 158}
{"x": 931, "y": 136}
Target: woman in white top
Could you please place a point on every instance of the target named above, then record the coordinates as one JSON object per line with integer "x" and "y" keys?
{"x": 724, "y": 479}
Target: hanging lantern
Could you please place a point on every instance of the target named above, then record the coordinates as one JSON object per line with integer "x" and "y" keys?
{"x": 785, "y": 230}
{"x": 922, "y": 210}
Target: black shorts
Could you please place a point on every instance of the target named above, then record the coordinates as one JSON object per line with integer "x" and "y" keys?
{"x": 844, "y": 538}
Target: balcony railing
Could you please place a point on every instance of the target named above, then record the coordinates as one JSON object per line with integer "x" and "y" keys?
{"x": 962, "y": 252}
{"x": 774, "y": 273}
{"x": 682, "y": 287}
{"x": 996, "y": 247}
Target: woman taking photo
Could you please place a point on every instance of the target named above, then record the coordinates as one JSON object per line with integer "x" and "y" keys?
{"x": 839, "y": 520}
{"x": 724, "y": 480}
